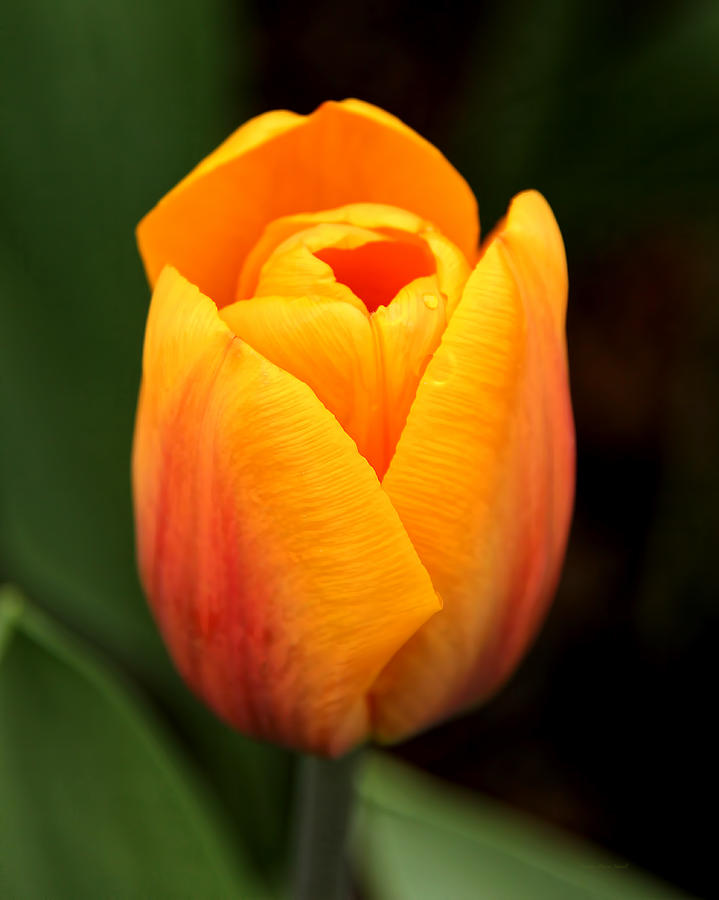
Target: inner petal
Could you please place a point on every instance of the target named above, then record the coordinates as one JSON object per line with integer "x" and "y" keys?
{"x": 353, "y": 302}
{"x": 376, "y": 271}
{"x": 364, "y": 368}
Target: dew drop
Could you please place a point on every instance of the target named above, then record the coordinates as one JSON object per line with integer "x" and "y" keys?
{"x": 430, "y": 301}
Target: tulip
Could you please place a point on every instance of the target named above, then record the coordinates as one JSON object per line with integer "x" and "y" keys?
{"x": 353, "y": 464}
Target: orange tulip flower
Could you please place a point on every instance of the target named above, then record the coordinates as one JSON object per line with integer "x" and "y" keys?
{"x": 353, "y": 465}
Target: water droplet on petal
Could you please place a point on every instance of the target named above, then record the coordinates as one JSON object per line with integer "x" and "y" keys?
{"x": 430, "y": 301}
{"x": 441, "y": 375}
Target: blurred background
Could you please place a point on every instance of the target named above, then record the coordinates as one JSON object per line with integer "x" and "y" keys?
{"x": 612, "y": 111}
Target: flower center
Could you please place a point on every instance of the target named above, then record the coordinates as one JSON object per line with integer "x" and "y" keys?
{"x": 376, "y": 271}
{"x": 352, "y": 302}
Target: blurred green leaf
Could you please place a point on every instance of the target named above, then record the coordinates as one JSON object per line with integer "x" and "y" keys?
{"x": 105, "y": 105}
{"x": 417, "y": 838}
{"x": 94, "y": 801}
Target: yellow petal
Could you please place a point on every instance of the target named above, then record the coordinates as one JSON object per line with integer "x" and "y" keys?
{"x": 483, "y": 475}
{"x": 364, "y": 369}
{"x": 281, "y": 164}
{"x": 277, "y": 568}
{"x": 327, "y": 345}
{"x": 383, "y": 220}
{"x": 452, "y": 268}
{"x": 407, "y": 333}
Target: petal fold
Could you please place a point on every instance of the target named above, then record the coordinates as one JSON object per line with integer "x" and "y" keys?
{"x": 365, "y": 369}
{"x": 279, "y": 572}
{"x": 329, "y": 346}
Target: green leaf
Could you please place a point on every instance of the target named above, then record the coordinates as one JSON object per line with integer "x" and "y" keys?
{"x": 416, "y": 838}
{"x": 105, "y": 105}
{"x": 94, "y": 801}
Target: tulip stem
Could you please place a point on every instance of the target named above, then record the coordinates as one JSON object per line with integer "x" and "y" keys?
{"x": 323, "y": 807}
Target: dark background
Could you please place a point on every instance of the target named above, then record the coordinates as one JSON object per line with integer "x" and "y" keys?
{"x": 612, "y": 111}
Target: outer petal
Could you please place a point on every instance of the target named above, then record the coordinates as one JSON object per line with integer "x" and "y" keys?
{"x": 483, "y": 476}
{"x": 278, "y": 570}
{"x": 280, "y": 164}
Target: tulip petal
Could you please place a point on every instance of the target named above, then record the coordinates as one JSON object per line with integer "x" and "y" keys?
{"x": 483, "y": 475}
{"x": 326, "y": 344}
{"x": 278, "y": 570}
{"x": 364, "y": 369}
{"x": 280, "y": 164}
{"x": 388, "y": 221}
{"x": 407, "y": 333}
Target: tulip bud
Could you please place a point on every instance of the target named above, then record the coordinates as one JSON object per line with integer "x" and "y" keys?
{"x": 353, "y": 465}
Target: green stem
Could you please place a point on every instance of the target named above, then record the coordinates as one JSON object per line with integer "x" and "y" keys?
{"x": 324, "y": 803}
